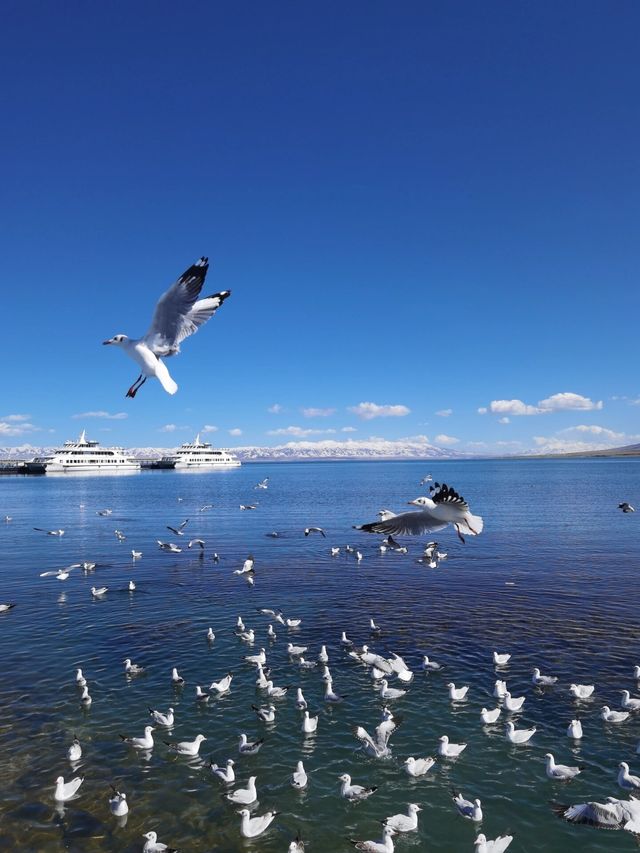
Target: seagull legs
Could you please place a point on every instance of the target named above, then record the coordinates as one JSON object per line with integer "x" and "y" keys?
{"x": 460, "y": 536}
{"x": 134, "y": 390}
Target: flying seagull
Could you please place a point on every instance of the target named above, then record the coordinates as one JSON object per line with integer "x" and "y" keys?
{"x": 445, "y": 506}
{"x": 179, "y": 313}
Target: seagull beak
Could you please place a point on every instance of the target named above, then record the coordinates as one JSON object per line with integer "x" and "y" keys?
{"x": 104, "y": 343}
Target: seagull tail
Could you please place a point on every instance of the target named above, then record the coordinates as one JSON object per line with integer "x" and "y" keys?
{"x": 163, "y": 377}
{"x": 472, "y": 524}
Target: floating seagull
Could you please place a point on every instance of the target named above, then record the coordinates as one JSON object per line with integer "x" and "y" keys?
{"x": 247, "y": 747}
{"x": 119, "y": 535}
{"x": 301, "y": 702}
{"x": 186, "y": 747}
{"x": 500, "y": 689}
{"x": 470, "y": 810}
{"x": 136, "y": 555}
{"x": 247, "y": 566}
{"x": 560, "y": 771}
{"x": 50, "y": 532}
{"x": 67, "y": 790}
{"x": 80, "y": 679}
{"x": 4, "y": 608}
{"x": 335, "y": 552}
{"x": 248, "y": 506}
{"x": 169, "y": 546}
{"x": 131, "y": 586}
{"x": 176, "y": 679}
{"x": 299, "y": 777}
{"x": 271, "y": 634}
{"x": 309, "y": 530}
{"x": 167, "y": 720}
{"x": 99, "y": 591}
{"x": 426, "y": 479}
{"x": 58, "y": 574}
{"x": 178, "y": 314}
{"x": 309, "y": 724}
{"x": 132, "y": 668}
{"x": 450, "y": 750}
{"x": 375, "y": 629}
{"x": 519, "y": 736}
{"x": 497, "y": 845}
{"x": 418, "y": 766}
{"x": 201, "y": 696}
{"x": 144, "y": 742}
{"x": 457, "y": 694}
{"x": 542, "y": 680}
{"x": 581, "y": 691}
{"x": 513, "y": 703}
{"x": 610, "y": 716}
{"x": 221, "y": 686}
{"x": 501, "y": 660}
{"x": 626, "y": 780}
{"x": 179, "y": 530}
{"x": 575, "y": 729}
{"x": 226, "y": 773}
{"x": 489, "y": 717}
{"x": 430, "y": 665}
{"x": 613, "y": 814}
{"x": 297, "y": 845}
{"x": 263, "y": 484}
{"x": 276, "y": 692}
{"x": 294, "y": 651}
{"x": 383, "y": 846}
{"x": 323, "y": 657}
{"x": 152, "y": 845}
{"x": 85, "y": 699}
{"x": 354, "y": 793}
{"x": 404, "y": 822}
{"x": 74, "y": 753}
{"x": 344, "y": 640}
{"x": 205, "y": 507}
{"x": 118, "y": 803}
{"x": 626, "y": 507}
{"x": 331, "y": 696}
{"x": 250, "y": 827}
{"x": 629, "y": 703}
{"x": 266, "y": 714}
{"x": 445, "y": 506}
{"x": 293, "y": 623}
{"x": 387, "y": 692}
{"x": 260, "y": 658}
{"x": 104, "y": 512}
{"x": 199, "y": 542}
{"x": 245, "y": 796}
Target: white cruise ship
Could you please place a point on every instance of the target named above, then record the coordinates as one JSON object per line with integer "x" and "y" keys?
{"x": 200, "y": 454}
{"x": 84, "y": 456}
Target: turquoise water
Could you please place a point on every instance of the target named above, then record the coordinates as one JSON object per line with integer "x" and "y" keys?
{"x": 551, "y": 529}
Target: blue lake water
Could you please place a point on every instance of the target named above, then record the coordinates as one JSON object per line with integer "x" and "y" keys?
{"x": 553, "y": 579}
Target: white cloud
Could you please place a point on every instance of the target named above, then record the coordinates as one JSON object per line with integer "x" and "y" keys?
{"x": 300, "y": 432}
{"x": 168, "y": 428}
{"x": 348, "y": 429}
{"x": 9, "y": 426}
{"x": 118, "y": 416}
{"x": 15, "y": 419}
{"x": 318, "y": 413}
{"x": 508, "y": 443}
{"x": 563, "y": 445}
{"x": 593, "y": 429}
{"x": 275, "y": 409}
{"x": 209, "y": 428}
{"x": 477, "y": 444}
{"x": 564, "y": 401}
{"x": 235, "y": 431}
{"x": 446, "y": 439}
{"x": 444, "y": 413}
{"x": 367, "y": 411}
{"x": 504, "y": 420}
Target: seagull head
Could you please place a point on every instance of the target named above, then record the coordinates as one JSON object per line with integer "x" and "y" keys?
{"x": 118, "y": 340}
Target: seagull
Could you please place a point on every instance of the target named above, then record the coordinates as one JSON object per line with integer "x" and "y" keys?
{"x": 542, "y": 680}
{"x": 131, "y": 586}
{"x": 450, "y": 750}
{"x": 297, "y": 845}
{"x": 58, "y": 574}
{"x": 335, "y": 552}
{"x": 501, "y": 660}
{"x": 383, "y": 846}
{"x": 132, "y": 668}
{"x": 575, "y": 729}
{"x": 331, "y": 696}
{"x": 250, "y": 827}
{"x": 489, "y": 717}
{"x": 500, "y": 689}
{"x": 67, "y": 790}
{"x": 4, "y": 608}
{"x": 266, "y": 714}
{"x": 227, "y": 773}
{"x": 354, "y": 793}
{"x": 247, "y": 747}
{"x": 323, "y": 657}
{"x": 294, "y": 651}
{"x": 426, "y": 480}
{"x": 271, "y": 634}
{"x": 201, "y": 696}
{"x": 199, "y": 542}
{"x": 74, "y": 753}
{"x": 187, "y": 747}
{"x": 626, "y": 507}
{"x": 301, "y": 702}
{"x": 626, "y": 780}
{"x": 309, "y": 724}
{"x": 375, "y": 629}
{"x": 210, "y": 635}
{"x": 260, "y": 658}
{"x": 610, "y": 716}
{"x": 119, "y": 535}
{"x": 178, "y": 314}
{"x": 613, "y": 814}
{"x": 293, "y": 623}
{"x": 118, "y": 803}
{"x": 247, "y": 636}
{"x": 179, "y": 530}
{"x": 221, "y": 686}
{"x": 445, "y": 506}
{"x": 169, "y": 546}
{"x": 470, "y": 810}
{"x": 387, "y": 692}
{"x": 418, "y": 766}
{"x": 176, "y": 679}
{"x": 248, "y": 506}
{"x": 498, "y": 845}
{"x": 50, "y": 532}
{"x": 299, "y": 777}
{"x": 144, "y": 742}
{"x": 560, "y": 771}
{"x": 430, "y": 665}
{"x": 161, "y": 719}
{"x": 263, "y": 484}
{"x": 629, "y": 703}
{"x": 519, "y": 736}
{"x": 205, "y": 507}
{"x": 135, "y": 555}
{"x": 85, "y": 699}
{"x": 247, "y": 566}
{"x": 457, "y": 694}
{"x": 80, "y": 679}
{"x": 104, "y": 512}
{"x": 245, "y": 796}
{"x": 513, "y": 703}
{"x": 152, "y": 845}
{"x": 99, "y": 591}
{"x": 319, "y": 530}
{"x": 581, "y": 691}
{"x": 276, "y": 692}
{"x": 404, "y": 822}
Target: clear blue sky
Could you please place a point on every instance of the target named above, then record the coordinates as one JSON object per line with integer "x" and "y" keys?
{"x": 427, "y": 205}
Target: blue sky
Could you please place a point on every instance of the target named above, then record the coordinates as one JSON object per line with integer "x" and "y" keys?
{"x": 426, "y": 207}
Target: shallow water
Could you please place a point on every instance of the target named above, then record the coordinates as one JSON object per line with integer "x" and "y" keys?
{"x": 552, "y": 579}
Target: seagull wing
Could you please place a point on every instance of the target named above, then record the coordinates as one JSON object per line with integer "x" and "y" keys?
{"x": 179, "y": 313}
{"x": 600, "y": 815}
{"x": 446, "y": 495}
{"x": 405, "y": 524}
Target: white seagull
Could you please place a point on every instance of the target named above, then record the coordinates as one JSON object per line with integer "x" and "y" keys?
{"x": 299, "y": 777}
{"x": 178, "y": 314}
{"x": 501, "y": 660}
{"x": 167, "y": 720}
{"x": 404, "y": 822}
{"x": 354, "y": 792}
{"x": 489, "y": 717}
{"x": 383, "y": 846}
{"x": 247, "y": 747}
{"x": 457, "y": 694}
{"x": 118, "y": 803}
{"x": 610, "y": 716}
{"x": 67, "y": 790}
{"x": 519, "y": 736}
{"x": 581, "y": 691}
{"x": 450, "y": 750}
{"x": 226, "y": 773}
{"x": 542, "y": 680}
{"x": 250, "y": 827}
{"x": 628, "y": 702}
{"x": 152, "y": 845}
{"x": 513, "y": 703}
{"x": 612, "y": 814}
{"x": 187, "y": 747}
{"x": 144, "y": 742}
{"x": 575, "y": 729}
{"x": 418, "y": 766}
{"x": 245, "y": 796}
{"x": 74, "y": 753}
{"x": 560, "y": 771}
{"x": 626, "y": 780}
{"x": 467, "y": 808}
{"x": 179, "y": 530}
{"x": 497, "y": 845}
